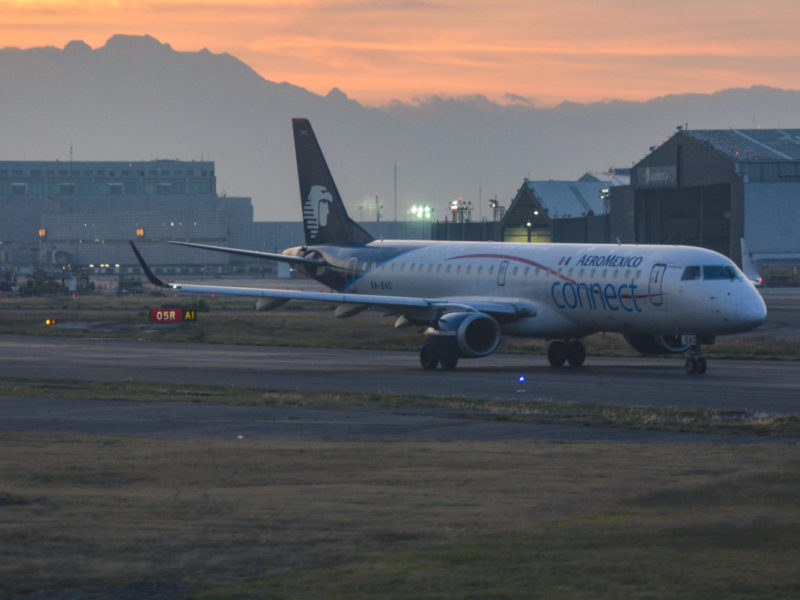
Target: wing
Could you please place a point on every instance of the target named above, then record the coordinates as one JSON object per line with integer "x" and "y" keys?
{"x": 424, "y": 307}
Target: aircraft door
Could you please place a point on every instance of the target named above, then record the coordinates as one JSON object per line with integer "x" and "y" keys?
{"x": 656, "y": 283}
{"x": 501, "y": 273}
{"x": 350, "y": 271}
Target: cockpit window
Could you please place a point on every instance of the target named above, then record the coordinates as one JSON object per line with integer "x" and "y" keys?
{"x": 719, "y": 272}
{"x": 690, "y": 273}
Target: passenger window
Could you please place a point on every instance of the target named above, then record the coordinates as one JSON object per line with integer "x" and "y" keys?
{"x": 527, "y": 269}
{"x": 439, "y": 268}
{"x": 480, "y": 269}
{"x": 430, "y": 268}
{"x": 469, "y": 268}
{"x": 421, "y": 266}
{"x": 458, "y": 269}
{"x": 447, "y": 270}
{"x": 690, "y": 274}
{"x": 491, "y": 270}
{"x": 514, "y": 272}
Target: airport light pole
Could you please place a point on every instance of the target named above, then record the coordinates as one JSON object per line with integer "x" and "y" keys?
{"x": 422, "y": 212}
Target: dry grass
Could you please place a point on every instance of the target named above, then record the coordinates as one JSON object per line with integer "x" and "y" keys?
{"x": 400, "y": 520}
{"x": 713, "y": 421}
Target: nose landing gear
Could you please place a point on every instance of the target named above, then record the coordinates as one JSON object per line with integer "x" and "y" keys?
{"x": 696, "y": 364}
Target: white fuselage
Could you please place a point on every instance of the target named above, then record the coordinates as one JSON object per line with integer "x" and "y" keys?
{"x": 575, "y": 288}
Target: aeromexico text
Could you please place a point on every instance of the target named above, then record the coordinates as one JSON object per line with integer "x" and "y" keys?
{"x": 610, "y": 260}
{"x": 594, "y": 295}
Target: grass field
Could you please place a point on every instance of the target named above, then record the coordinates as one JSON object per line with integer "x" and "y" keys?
{"x": 256, "y": 519}
{"x": 221, "y": 519}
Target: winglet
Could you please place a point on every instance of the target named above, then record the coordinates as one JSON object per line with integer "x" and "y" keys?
{"x": 150, "y": 275}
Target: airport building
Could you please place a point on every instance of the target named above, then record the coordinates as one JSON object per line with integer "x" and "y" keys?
{"x": 84, "y": 213}
{"x": 562, "y": 211}
{"x": 734, "y": 191}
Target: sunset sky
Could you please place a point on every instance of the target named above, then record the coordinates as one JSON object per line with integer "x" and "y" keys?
{"x": 376, "y": 51}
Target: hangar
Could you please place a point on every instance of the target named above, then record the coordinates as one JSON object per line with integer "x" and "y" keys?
{"x": 562, "y": 211}
{"x": 734, "y": 191}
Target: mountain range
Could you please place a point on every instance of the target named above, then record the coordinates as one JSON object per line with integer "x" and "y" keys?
{"x": 136, "y": 98}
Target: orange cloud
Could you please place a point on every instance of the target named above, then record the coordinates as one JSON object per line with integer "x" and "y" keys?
{"x": 377, "y": 51}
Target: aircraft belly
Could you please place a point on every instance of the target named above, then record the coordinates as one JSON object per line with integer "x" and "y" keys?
{"x": 548, "y": 323}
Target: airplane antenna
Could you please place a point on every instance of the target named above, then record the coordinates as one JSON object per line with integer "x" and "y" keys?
{"x": 619, "y": 243}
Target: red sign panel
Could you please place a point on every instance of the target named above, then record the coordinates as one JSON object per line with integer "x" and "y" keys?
{"x": 172, "y": 315}
{"x": 166, "y": 315}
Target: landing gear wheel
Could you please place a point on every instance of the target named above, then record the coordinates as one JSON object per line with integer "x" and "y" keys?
{"x": 448, "y": 364}
{"x": 691, "y": 366}
{"x": 557, "y": 353}
{"x": 696, "y": 365}
{"x": 428, "y": 358}
{"x": 576, "y": 353}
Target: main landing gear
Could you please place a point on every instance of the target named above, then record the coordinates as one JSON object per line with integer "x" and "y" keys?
{"x": 566, "y": 351}
{"x": 696, "y": 364}
{"x": 429, "y": 359}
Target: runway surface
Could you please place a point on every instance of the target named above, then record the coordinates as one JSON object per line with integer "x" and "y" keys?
{"x": 770, "y": 387}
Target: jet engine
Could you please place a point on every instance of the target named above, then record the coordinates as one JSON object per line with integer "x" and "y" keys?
{"x": 463, "y": 335}
{"x": 657, "y": 344}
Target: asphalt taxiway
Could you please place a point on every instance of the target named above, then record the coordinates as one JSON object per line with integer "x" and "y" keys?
{"x": 769, "y": 386}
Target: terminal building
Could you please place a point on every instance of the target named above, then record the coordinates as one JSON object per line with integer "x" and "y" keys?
{"x": 84, "y": 213}
{"x": 57, "y": 214}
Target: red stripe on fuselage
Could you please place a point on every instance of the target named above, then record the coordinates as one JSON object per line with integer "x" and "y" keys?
{"x": 518, "y": 259}
{"x": 541, "y": 266}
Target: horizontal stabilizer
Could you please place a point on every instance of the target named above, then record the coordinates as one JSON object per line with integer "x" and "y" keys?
{"x": 316, "y": 262}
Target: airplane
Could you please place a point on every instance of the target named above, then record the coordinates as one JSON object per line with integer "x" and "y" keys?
{"x": 466, "y": 295}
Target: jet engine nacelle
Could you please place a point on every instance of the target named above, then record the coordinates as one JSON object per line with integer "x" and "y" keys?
{"x": 657, "y": 344}
{"x": 464, "y": 335}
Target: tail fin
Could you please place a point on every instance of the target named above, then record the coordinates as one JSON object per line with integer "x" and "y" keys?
{"x": 324, "y": 218}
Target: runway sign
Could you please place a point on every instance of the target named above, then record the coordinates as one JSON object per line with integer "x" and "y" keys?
{"x": 172, "y": 315}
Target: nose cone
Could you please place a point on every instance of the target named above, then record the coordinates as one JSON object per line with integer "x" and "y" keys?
{"x": 751, "y": 311}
